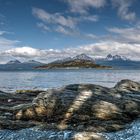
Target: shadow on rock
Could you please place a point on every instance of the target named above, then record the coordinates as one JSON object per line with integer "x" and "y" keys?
{"x": 77, "y": 107}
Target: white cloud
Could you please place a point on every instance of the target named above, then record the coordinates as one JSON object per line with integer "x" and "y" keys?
{"x": 57, "y": 22}
{"x": 7, "y": 43}
{"x": 82, "y": 6}
{"x": 55, "y": 18}
{"x": 2, "y": 32}
{"x": 27, "y": 52}
{"x": 100, "y": 49}
{"x": 63, "y": 30}
{"x": 123, "y": 9}
{"x": 91, "y": 36}
{"x": 92, "y": 18}
{"x": 23, "y": 52}
{"x": 130, "y": 34}
{"x": 43, "y": 26}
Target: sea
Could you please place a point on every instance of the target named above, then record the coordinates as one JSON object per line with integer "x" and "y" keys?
{"x": 11, "y": 81}
{"x": 44, "y": 79}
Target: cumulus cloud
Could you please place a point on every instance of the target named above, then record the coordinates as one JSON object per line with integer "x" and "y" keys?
{"x": 123, "y": 9}
{"x": 82, "y": 6}
{"x": 103, "y": 48}
{"x": 23, "y": 52}
{"x": 27, "y": 52}
{"x": 100, "y": 49}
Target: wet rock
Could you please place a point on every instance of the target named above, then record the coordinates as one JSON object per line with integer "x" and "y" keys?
{"x": 128, "y": 86}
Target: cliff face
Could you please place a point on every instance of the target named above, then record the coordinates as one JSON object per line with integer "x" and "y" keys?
{"x": 79, "y": 107}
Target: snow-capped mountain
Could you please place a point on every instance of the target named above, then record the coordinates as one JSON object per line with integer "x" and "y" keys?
{"x": 77, "y": 62}
{"x": 114, "y": 61}
{"x": 118, "y": 62}
{"x": 77, "y": 57}
{"x": 62, "y": 60}
{"x": 83, "y": 57}
{"x": 111, "y": 57}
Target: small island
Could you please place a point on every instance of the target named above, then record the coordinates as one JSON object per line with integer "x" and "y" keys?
{"x": 77, "y": 62}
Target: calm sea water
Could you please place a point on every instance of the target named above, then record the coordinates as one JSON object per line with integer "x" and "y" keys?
{"x": 10, "y": 81}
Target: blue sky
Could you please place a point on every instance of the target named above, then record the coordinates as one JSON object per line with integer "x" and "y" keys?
{"x": 50, "y": 29}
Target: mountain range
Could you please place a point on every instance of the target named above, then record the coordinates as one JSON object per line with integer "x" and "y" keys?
{"x": 77, "y": 57}
{"x": 118, "y": 62}
{"x": 114, "y": 61}
{"x": 17, "y": 65}
{"x": 111, "y": 57}
{"x": 82, "y": 60}
{"x": 79, "y": 61}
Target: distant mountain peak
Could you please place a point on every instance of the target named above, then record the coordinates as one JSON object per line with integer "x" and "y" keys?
{"x": 33, "y": 61}
{"x": 82, "y": 57}
{"x": 14, "y": 62}
{"x": 111, "y": 57}
{"x": 77, "y": 57}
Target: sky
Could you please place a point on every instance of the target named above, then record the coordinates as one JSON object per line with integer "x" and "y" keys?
{"x": 47, "y": 30}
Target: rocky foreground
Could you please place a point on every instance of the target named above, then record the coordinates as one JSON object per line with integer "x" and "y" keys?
{"x": 82, "y": 108}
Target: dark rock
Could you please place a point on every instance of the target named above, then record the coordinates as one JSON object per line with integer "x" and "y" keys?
{"x": 78, "y": 107}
